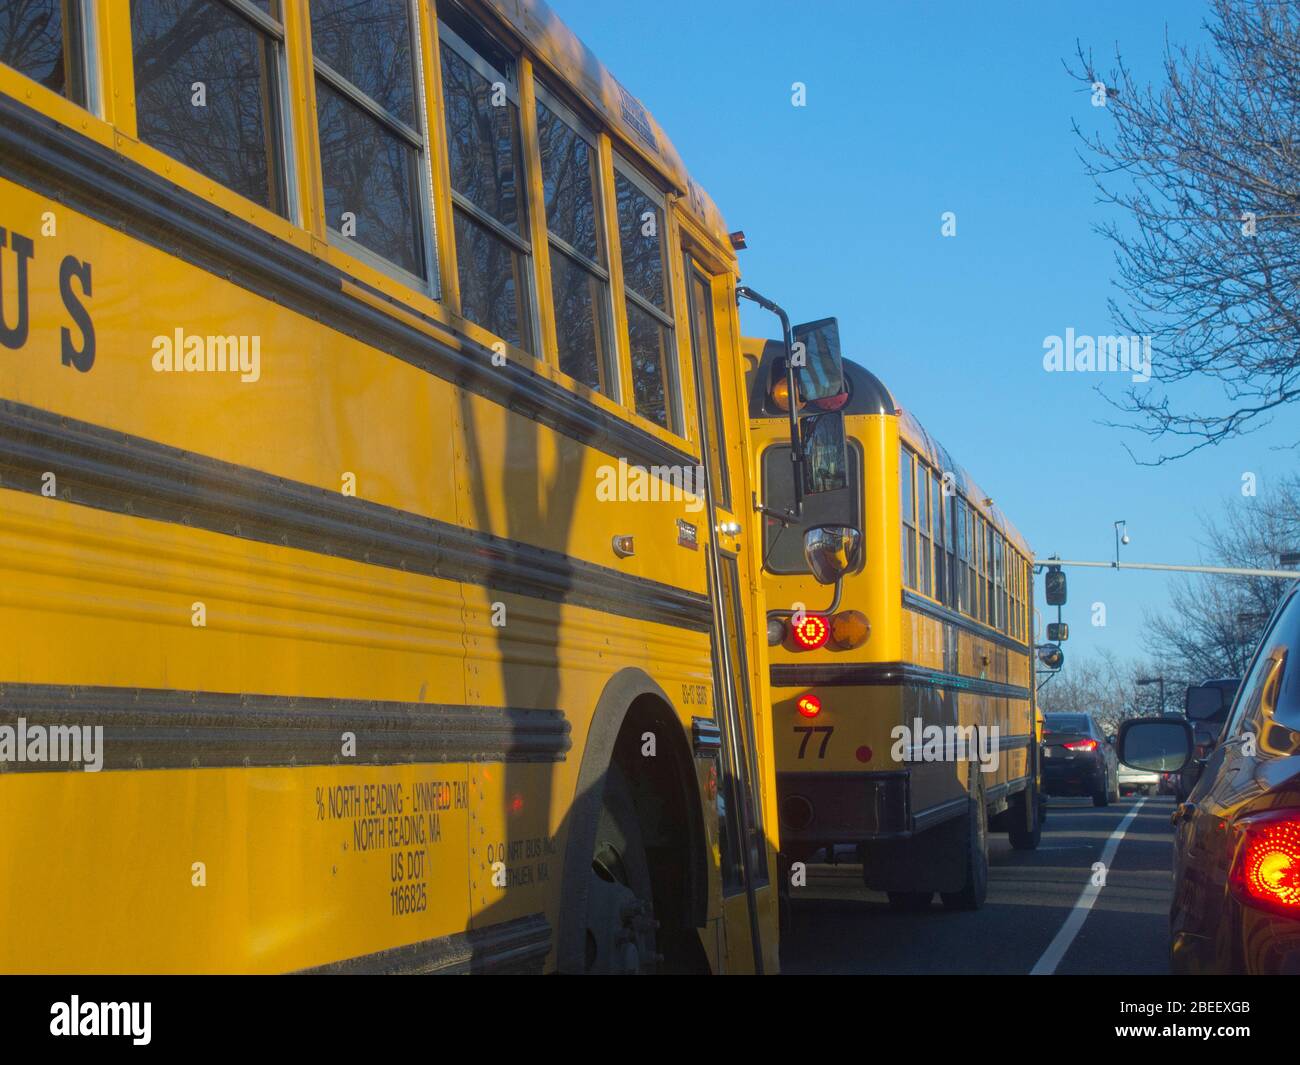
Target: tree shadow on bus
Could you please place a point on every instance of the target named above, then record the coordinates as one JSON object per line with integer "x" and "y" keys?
{"x": 514, "y": 649}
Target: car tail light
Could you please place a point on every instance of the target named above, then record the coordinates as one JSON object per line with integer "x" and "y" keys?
{"x": 811, "y": 632}
{"x": 1081, "y": 745}
{"x": 1266, "y": 869}
{"x": 849, "y": 629}
{"x": 809, "y": 705}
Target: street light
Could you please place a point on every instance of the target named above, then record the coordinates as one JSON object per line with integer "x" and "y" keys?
{"x": 1121, "y": 537}
{"x": 1155, "y": 680}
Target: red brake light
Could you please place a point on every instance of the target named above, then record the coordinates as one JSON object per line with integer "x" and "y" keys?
{"x": 1082, "y": 745}
{"x": 811, "y": 632}
{"x": 809, "y": 705}
{"x": 1266, "y": 869}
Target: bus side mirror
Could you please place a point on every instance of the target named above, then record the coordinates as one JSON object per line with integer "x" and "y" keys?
{"x": 1057, "y": 631}
{"x": 818, "y": 366}
{"x": 1054, "y": 586}
{"x": 831, "y": 551}
{"x": 824, "y": 457}
{"x": 1051, "y": 656}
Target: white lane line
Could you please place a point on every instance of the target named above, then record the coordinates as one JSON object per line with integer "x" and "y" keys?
{"x": 1046, "y": 965}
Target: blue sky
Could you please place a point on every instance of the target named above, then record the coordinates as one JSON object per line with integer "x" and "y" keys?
{"x": 914, "y": 109}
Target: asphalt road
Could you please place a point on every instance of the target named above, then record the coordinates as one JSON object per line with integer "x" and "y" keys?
{"x": 837, "y": 926}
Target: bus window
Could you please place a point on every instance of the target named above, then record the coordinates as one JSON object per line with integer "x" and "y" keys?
{"x": 579, "y": 279}
{"x": 923, "y": 528}
{"x": 783, "y": 545}
{"x": 991, "y": 610}
{"x": 907, "y": 505}
{"x": 493, "y": 252}
{"x": 230, "y": 56}
{"x": 372, "y": 145}
{"x": 952, "y": 532}
{"x": 940, "y": 523}
{"x": 33, "y": 38}
{"x": 649, "y": 315}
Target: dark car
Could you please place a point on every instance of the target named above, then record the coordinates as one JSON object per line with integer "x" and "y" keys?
{"x": 1206, "y": 730}
{"x": 1078, "y": 759}
{"x": 1236, "y": 903}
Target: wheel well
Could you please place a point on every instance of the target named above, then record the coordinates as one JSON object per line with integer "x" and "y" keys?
{"x": 666, "y": 797}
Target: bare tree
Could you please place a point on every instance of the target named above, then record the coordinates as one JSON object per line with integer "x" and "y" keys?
{"x": 1206, "y": 169}
{"x": 1213, "y": 623}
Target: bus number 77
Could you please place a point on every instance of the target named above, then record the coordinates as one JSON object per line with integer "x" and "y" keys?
{"x": 808, "y": 730}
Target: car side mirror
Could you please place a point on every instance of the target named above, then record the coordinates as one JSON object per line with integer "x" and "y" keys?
{"x": 1203, "y": 702}
{"x": 1156, "y": 744}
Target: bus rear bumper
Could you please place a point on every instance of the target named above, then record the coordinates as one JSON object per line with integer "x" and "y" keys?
{"x": 818, "y": 809}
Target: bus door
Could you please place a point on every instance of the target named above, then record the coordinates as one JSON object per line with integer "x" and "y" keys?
{"x": 745, "y": 876}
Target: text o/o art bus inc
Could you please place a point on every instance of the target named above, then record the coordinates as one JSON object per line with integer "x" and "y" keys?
{"x": 321, "y": 332}
{"x": 903, "y": 715}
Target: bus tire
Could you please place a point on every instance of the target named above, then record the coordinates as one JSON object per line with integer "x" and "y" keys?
{"x": 910, "y": 901}
{"x": 1025, "y": 828}
{"x": 975, "y": 889}
{"x": 620, "y": 924}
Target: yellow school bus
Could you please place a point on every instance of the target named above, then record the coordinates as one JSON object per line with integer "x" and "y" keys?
{"x": 379, "y": 580}
{"x": 903, "y": 707}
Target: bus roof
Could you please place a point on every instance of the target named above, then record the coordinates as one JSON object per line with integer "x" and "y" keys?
{"x": 566, "y": 57}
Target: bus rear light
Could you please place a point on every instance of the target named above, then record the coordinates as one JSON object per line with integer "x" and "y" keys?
{"x": 864, "y": 753}
{"x": 1266, "y": 869}
{"x": 811, "y": 632}
{"x": 1081, "y": 745}
{"x": 809, "y": 705}
{"x": 780, "y": 394}
{"x": 849, "y": 629}
{"x": 775, "y": 631}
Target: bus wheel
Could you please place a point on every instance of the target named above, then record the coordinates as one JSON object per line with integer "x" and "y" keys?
{"x": 910, "y": 901}
{"x": 620, "y": 936}
{"x": 1026, "y": 824}
{"x": 973, "y": 892}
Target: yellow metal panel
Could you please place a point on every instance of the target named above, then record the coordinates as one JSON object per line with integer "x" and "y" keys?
{"x": 229, "y": 870}
{"x": 323, "y": 405}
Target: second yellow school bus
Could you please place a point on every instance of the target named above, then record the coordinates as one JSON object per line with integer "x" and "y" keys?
{"x": 903, "y": 712}
{"x": 378, "y": 583}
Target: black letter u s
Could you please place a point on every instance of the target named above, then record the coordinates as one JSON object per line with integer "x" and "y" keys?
{"x": 23, "y": 249}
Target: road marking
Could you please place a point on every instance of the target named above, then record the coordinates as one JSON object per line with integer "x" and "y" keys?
{"x": 1046, "y": 965}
